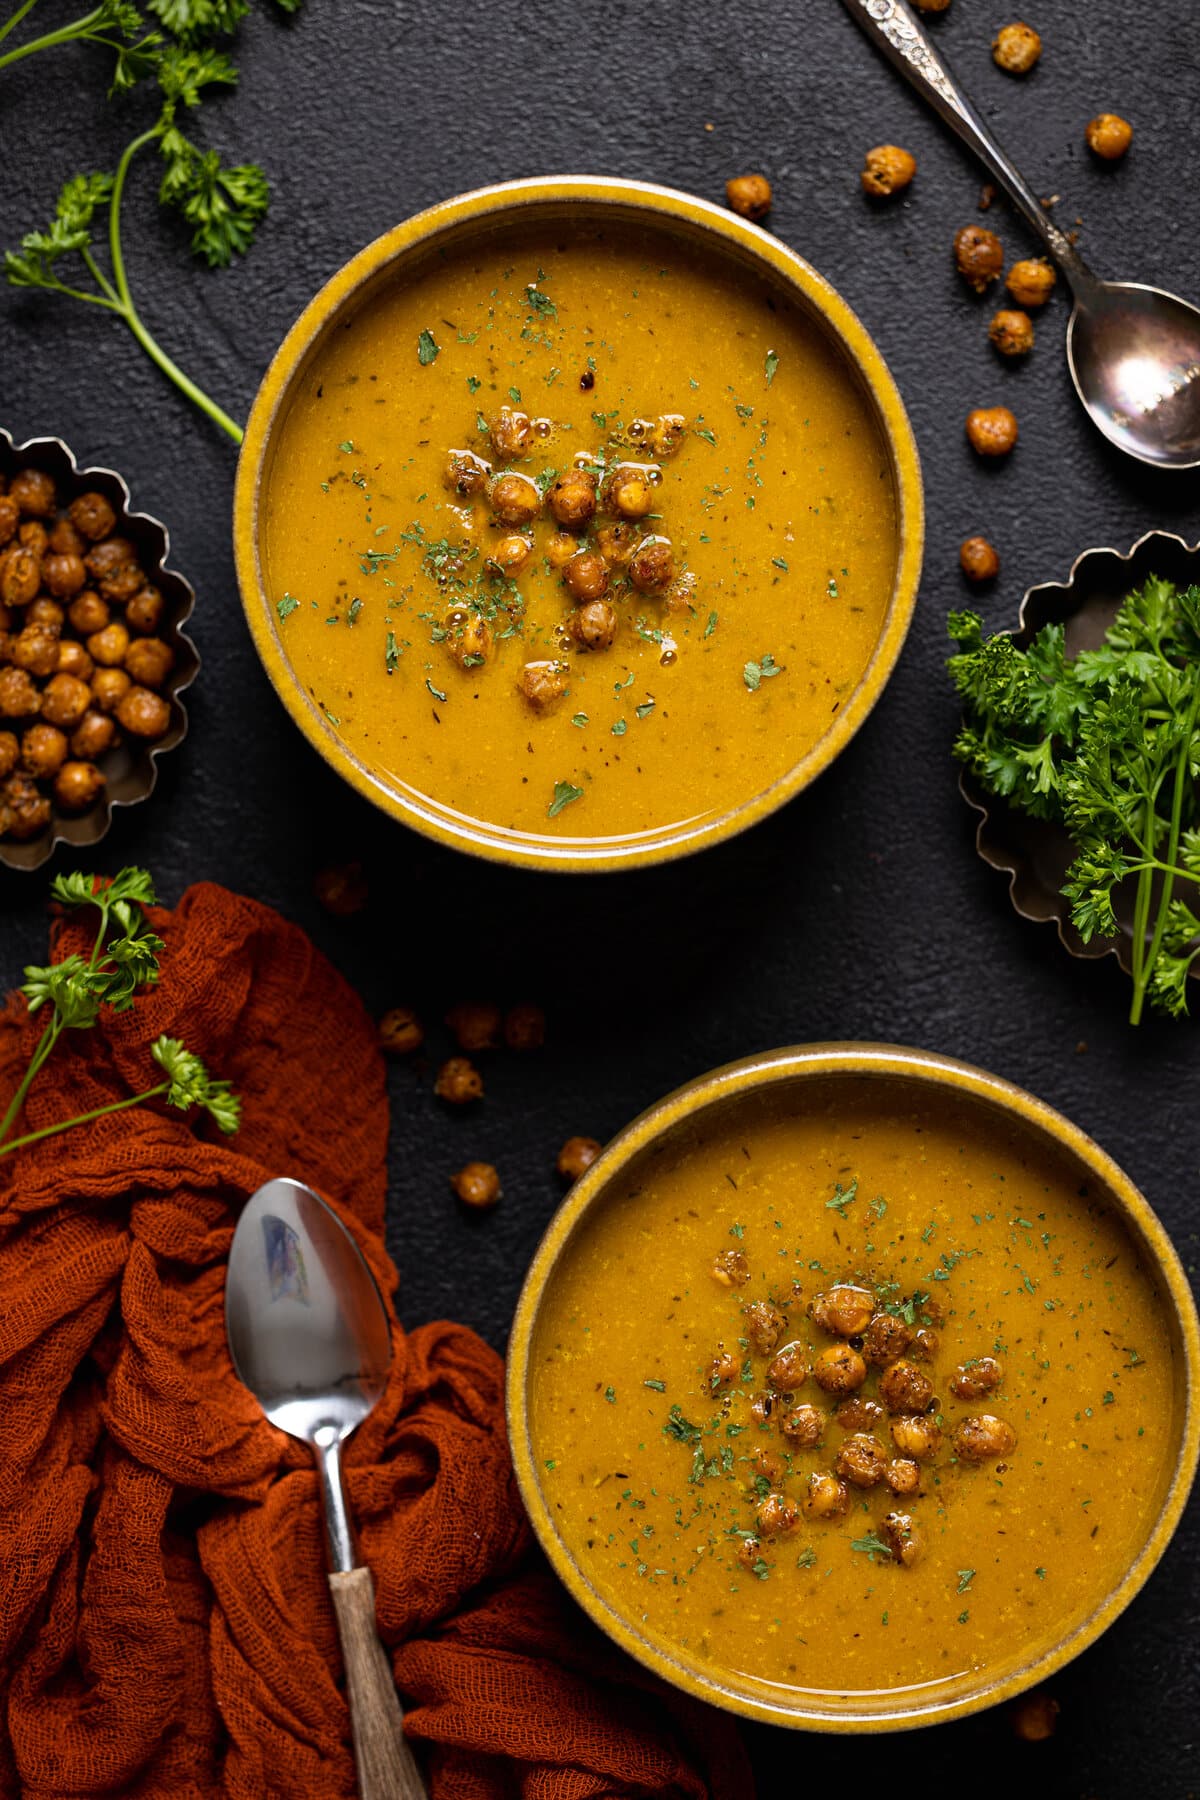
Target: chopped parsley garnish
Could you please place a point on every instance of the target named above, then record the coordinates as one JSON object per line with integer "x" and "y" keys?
{"x": 474, "y": 383}
{"x": 681, "y": 1429}
{"x": 540, "y": 303}
{"x": 965, "y": 1578}
{"x": 660, "y": 1387}
{"x": 610, "y": 1394}
{"x": 565, "y": 794}
{"x": 842, "y": 1197}
{"x": 620, "y": 728}
{"x": 287, "y": 606}
{"x": 391, "y": 652}
{"x": 702, "y": 431}
{"x": 347, "y": 447}
{"x": 755, "y": 673}
{"x": 436, "y": 692}
{"x": 580, "y": 719}
{"x": 779, "y": 563}
{"x": 427, "y": 349}
{"x": 712, "y": 624}
{"x": 872, "y": 1546}
{"x": 645, "y": 709}
{"x": 353, "y": 611}
{"x": 772, "y": 363}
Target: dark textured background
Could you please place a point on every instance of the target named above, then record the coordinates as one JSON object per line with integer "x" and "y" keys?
{"x": 861, "y": 911}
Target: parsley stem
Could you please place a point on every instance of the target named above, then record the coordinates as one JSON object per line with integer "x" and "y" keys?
{"x": 1183, "y": 767}
{"x": 15, "y": 20}
{"x": 129, "y": 311}
{"x": 46, "y": 1044}
{"x": 64, "y": 35}
{"x": 99, "y": 1112}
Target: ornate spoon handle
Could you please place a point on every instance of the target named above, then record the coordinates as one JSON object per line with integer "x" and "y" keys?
{"x": 904, "y": 41}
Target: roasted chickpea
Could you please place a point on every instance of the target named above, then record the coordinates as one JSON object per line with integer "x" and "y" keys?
{"x": 458, "y": 1081}
{"x": 341, "y": 888}
{"x": 142, "y": 713}
{"x": 34, "y": 492}
{"x": 509, "y": 556}
{"x": 92, "y": 516}
{"x": 899, "y": 1532}
{"x": 652, "y": 565}
{"x": 109, "y": 647}
{"x": 18, "y": 695}
{"x": 917, "y": 1437}
{"x": 768, "y": 1462}
{"x": 88, "y": 613}
{"x": 400, "y": 1031}
{"x": 888, "y": 169}
{"x": 617, "y": 543}
{"x": 776, "y": 1515}
{"x": 730, "y": 1269}
{"x": 789, "y": 1368}
{"x": 24, "y": 809}
{"x": 761, "y": 1408}
{"x": 979, "y": 562}
{"x": 1011, "y": 332}
{"x": 827, "y": 1497}
{"x": 476, "y": 1025}
{"x": 748, "y": 1552}
{"x": 586, "y": 576}
{"x": 904, "y": 1388}
{"x": 861, "y": 1459}
{"x": 680, "y": 597}
{"x": 10, "y": 750}
{"x": 885, "y": 1338}
{"x": 1031, "y": 281}
{"x": 94, "y": 734}
{"x": 543, "y": 684}
{"x": 925, "y": 1345}
{"x": 114, "y": 567}
{"x": 629, "y": 492}
{"x": 144, "y": 611}
{"x": 667, "y": 433}
{"x": 35, "y": 650}
{"x": 1015, "y": 48}
{"x": 468, "y": 640}
{"x": 20, "y": 576}
{"x": 77, "y": 786}
{"x": 721, "y": 1372}
{"x": 749, "y": 196}
{"x": 47, "y": 613}
{"x": 978, "y": 256}
{"x": 572, "y": 498}
{"x": 577, "y": 1155}
{"x": 560, "y": 548}
{"x": 10, "y": 516}
{"x": 109, "y": 686}
{"x": 525, "y": 1026}
{"x": 63, "y": 575}
{"x": 972, "y": 1380}
{"x": 843, "y": 1311}
{"x": 593, "y": 625}
{"x": 43, "y": 751}
{"x": 903, "y": 1475}
{"x": 477, "y": 1184}
{"x": 33, "y": 534}
{"x": 510, "y": 434}
{"x": 1035, "y": 1716}
{"x": 983, "y": 1437}
{"x": 65, "y": 539}
{"x": 516, "y": 500}
{"x": 764, "y": 1326}
{"x": 1109, "y": 136}
{"x": 149, "y": 660}
{"x": 839, "y": 1369}
{"x": 467, "y": 473}
{"x": 859, "y": 1413}
{"x": 991, "y": 430}
{"x": 804, "y": 1426}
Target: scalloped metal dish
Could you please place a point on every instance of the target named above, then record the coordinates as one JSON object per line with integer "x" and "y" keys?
{"x": 130, "y": 770}
{"x": 1034, "y": 853}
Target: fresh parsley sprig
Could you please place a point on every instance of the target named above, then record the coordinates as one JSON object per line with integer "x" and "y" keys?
{"x": 223, "y": 204}
{"x": 124, "y": 958}
{"x": 1106, "y": 743}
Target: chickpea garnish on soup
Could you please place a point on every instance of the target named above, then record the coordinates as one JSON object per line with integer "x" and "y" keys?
{"x": 899, "y": 1369}
{"x": 631, "y": 565}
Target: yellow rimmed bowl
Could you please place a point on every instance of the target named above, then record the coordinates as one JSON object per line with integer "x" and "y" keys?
{"x": 927, "y": 1084}
{"x": 453, "y": 224}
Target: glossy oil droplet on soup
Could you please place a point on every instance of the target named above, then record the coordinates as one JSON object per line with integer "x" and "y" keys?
{"x": 778, "y": 503}
{"x": 649, "y": 1458}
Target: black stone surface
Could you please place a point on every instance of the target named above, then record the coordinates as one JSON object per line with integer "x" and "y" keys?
{"x": 862, "y": 910}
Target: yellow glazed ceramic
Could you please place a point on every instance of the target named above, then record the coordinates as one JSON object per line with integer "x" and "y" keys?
{"x": 1034, "y": 1294}
{"x": 787, "y": 483}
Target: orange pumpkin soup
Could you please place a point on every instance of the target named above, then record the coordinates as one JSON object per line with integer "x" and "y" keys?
{"x": 855, "y": 1398}
{"x": 579, "y": 534}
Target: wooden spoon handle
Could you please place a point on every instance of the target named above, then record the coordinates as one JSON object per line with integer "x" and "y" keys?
{"x": 387, "y": 1769}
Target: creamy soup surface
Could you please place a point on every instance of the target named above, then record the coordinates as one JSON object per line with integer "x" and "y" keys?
{"x": 409, "y": 627}
{"x": 1011, "y": 1282}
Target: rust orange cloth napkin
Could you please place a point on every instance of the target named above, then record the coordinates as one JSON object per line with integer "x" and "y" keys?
{"x": 165, "y": 1627}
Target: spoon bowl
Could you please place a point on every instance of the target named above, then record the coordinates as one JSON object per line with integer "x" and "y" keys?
{"x": 1134, "y": 356}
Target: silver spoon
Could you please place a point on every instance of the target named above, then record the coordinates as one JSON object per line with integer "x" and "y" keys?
{"x": 1133, "y": 351}
{"x": 309, "y": 1337}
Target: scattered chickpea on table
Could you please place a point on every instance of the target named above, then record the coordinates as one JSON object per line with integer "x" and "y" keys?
{"x": 1109, "y": 136}
{"x": 979, "y": 560}
{"x": 477, "y": 1184}
{"x": 978, "y": 256}
{"x": 887, "y": 170}
{"x": 1016, "y": 48}
{"x": 991, "y": 430}
{"x": 749, "y": 196}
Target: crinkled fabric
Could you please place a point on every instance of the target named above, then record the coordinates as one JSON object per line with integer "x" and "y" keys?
{"x": 165, "y": 1626}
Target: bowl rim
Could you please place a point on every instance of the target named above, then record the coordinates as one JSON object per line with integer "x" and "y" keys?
{"x": 756, "y": 1074}
{"x": 593, "y": 193}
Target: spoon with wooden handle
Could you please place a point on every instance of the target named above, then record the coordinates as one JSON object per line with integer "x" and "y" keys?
{"x": 308, "y": 1334}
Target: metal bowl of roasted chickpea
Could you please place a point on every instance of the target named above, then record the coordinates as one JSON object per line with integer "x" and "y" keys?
{"x": 93, "y": 654}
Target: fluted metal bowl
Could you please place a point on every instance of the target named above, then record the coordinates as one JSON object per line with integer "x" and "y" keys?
{"x": 1035, "y": 854}
{"x": 131, "y": 768}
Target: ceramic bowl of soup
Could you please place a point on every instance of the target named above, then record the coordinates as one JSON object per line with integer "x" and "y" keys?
{"x": 578, "y": 523}
{"x": 854, "y": 1389}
